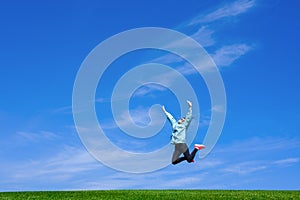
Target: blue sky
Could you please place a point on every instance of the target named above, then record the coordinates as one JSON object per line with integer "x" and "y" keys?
{"x": 253, "y": 43}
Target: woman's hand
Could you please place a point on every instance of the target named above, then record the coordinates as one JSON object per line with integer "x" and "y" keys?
{"x": 189, "y": 103}
{"x": 163, "y": 108}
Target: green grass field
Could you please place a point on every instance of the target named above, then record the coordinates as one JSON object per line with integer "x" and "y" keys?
{"x": 154, "y": 194}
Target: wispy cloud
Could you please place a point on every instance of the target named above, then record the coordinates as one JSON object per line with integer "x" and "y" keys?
{"x": 226, "y": 55}
{"x": 287, "y": 161}
{"x": 63, "y": 110}
{"x": 247, "y": 167}
{"x": 37, "y": 136}
{"x": 249, "y": 156}
{"x": 215, "y": 171}
{"x": 204, "y": 36}
{"x": 227, "y": 10}
{"x": 218, "y": 108}
{"x": 139, "y": 116}
{"x": 165, "y": 79}
{"x": 261, "y": 145}
{"x": 147, "y": 89}
{"x": 211, "y": 170}
{"x": 223, "y": 56}
{"x": 61, "y": 166}
{"x": 218, "y": 170}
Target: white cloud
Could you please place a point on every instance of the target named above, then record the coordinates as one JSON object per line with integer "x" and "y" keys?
{"x": 249, "y": 156}
{"x": 61, "y": 166}
{"x": 187, "y": 69}
{"x": 103, "y": 100}
{"x": 287, "y": 161}
{"x": 247, "y": 167}
{"x": 148, "y": 89}
{"x": 167, "y": 59}
{"x": 63, "y": 110}
{"x": 139, "y": 116}
{"x": 76, "y": 169}
{"x": 227, "y": 10}
{"x": 37, "y": 136}
{"x": 164, "y": 80}
{"x": 204, "y": 36}
{"x": 218, "y": 108}
{"x": 226, "y": 55}
{"x": 185, "y": 182}
{"x": 184, "y": 176}
{"x": 261, "y": 145}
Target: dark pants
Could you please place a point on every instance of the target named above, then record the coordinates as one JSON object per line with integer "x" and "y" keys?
{"x": 182, "y": 148}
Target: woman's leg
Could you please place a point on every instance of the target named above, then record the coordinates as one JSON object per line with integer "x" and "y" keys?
{"x": 179, "y": 149}
{"x": 190, "y": 157}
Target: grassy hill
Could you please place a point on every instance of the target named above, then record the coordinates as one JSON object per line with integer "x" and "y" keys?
{"x": 153, "y": 194}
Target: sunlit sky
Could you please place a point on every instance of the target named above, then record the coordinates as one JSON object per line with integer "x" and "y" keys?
{"x": 254, "y": 43}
